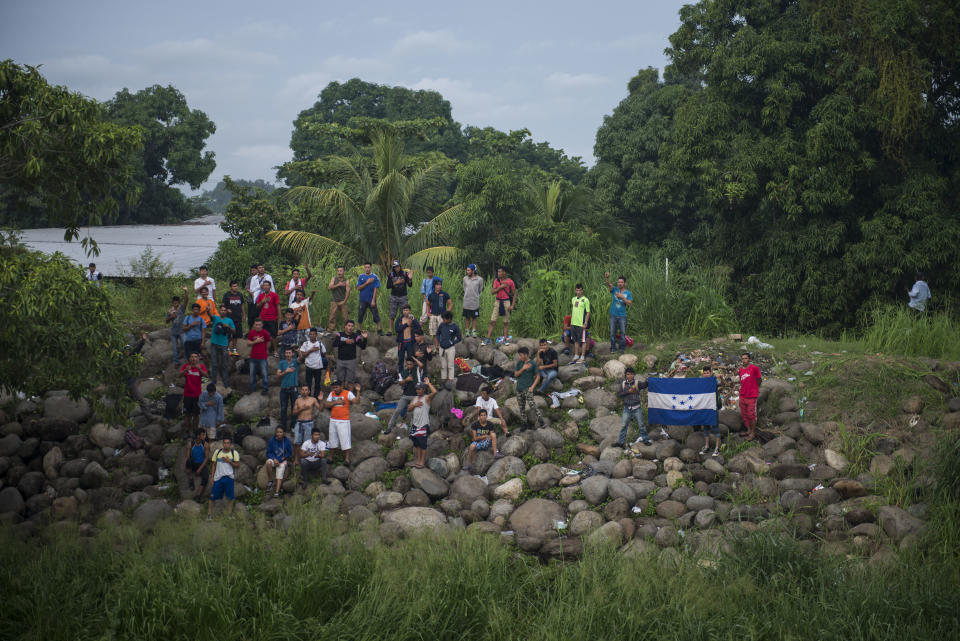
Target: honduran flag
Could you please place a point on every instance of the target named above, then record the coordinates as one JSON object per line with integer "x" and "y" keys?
{"x": 682, "y": 401}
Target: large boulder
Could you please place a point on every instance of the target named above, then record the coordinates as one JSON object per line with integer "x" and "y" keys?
{"x": 468, "y": 488}
{"x": 152, "y": 512}
{"x": 536, "y": 518}
{"x": 599, "y": 398}
{"x": 56, "y": 429}
{"x": 250, "y": 407}
{"x": 898, "y": 523}
{"x": 363, "y": 428}
{"x": 614, "y": 369}
{"x": 63, "y": 407}
{"x": 510, "y": 490}
{"x": 605, "y": 427}
{"x": 367, "y": 471}
{"x": 584, "y": 523}
{"x": 550, "y": 437}
{"x": 543, "y": 476}
{"x": 93, "y": 476}
{"x": 594, "y": 489}
{"x": 836, "y": 460}
{"x": 9, "y": 444}
{"x": 505, "y": 467}
{"x": 103, "y": 435}
{"x": 11, "y": 501}
{"x": 413, "y": 519}
{"x": 31, "y": 484}
{"x": 426, "y": 480}
{"x": 52, "y": 461}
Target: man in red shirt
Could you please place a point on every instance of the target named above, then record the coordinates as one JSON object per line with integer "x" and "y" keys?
{"x": 259, "y": 339}
{"x": 750, "y": 379}
{"x": 504, "y": 300}
{"x": 193, "y": 373}
{"x": 268, "y": 304}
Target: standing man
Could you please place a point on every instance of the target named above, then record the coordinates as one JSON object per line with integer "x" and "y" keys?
{"x": 312, "y": 354}
{"x": 622, "y": 299}
{"x": 525, "y": 371}
{"x": 193, "y": 327}
{"x": 547, "y": 362}
{"x": 504, "y": 300}
{"x": 220, "y": 336}
{"x": 440, "y": 304}
{"x": 919, "y": 294}
{"x": 346, "y": 343}
{"x": 406, "y": 327}
{"x": 256, "y": 289}
{"x": 205, "y": 281}
{"x": 339, "y": 288}
{"x": 193, "y": 373}
{"x": 448, "y": 335}
{"x": 421, "y": 421}
{"x": 175, "y": 320}
{"x": 301, "y": 313}
{"x": 472, "y": 286}
{"x": 629, "y": 393}
{"x": 296, "y": 283}
{"x": 288, "y": 333}
{"x": 303, "y": 410}
{"x": 252, "y": 287}
{"x": 93, "y": 276}
{"x": 211, "y": 411}
{"x": 750, "y": 379}
{"x": 399, "y": 281}
{"x": 225, "y": 462}
{"x": 268, "y": 304}
{"x": 368, "y": 286}
{"x": 338, "y": 402}
{"x": 426, "y": 288}
{"x": 313, "y": 457}
{"x": 579, "y": 321}
{"x": 411, "y": 375}
{"x": 279, "y": 453}
{"x": 233, "y": 301}
{"x": 259, "y": 340}
{"x": 208, "y": 306}
{"x": 289, "y": 372}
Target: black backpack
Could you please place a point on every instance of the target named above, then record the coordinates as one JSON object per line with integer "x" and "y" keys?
{"x": 493, "y": 372}
{"x": 470, "y": 383}
{"x": 241, "y": 432}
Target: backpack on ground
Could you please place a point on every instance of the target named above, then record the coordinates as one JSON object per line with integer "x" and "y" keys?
{"x": 380, "y": 377}
{"x": 470, "y": 383}
{"x": 133, "y": 441}
{"x": 492, "y": 372}
{"x": 241, "y": 432}
{"x": 171, "y": 409}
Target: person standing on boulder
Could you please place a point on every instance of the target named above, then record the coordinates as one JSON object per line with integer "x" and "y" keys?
{"x": 303, "y": 410}
{"x": 714, "y": 429}
{"x": 579, "y": 322}
{"x": 268, "y": 304}
{"x": 440, "y": 304}
{"x": 629, "y": 393}
{"x": 195, "y": 462}
{"x": 346, "y": 344}
{"x": 338, "y": 402}
{"x": 406, "y": 328}
{"x": 527, "y": 375}
{"x": 205, "y": 281}
{"x": 448, "y": 335}
{"x": 368, "y": 286}
{"x": 504, "y": 300}
{"x": 289, "y": 372}
{"x": 421, "y": 421}
{"x": 399, "y": 280}
{"x": 339, "y": 288}
{"x": 233, "y": 302}
{"x": 193, "y": 373}
{"x": 175, "y": 320}
{"x": 193, "y": 327}
{"x": 259, "y": 340}
{"x": 472, "y": 288}
{"x": 750, "y": 379}
{"x": 221, "y": 334}
{"x": 211, "y": 410}
{"x": 622, "y": 299}
{"x": 225, "y": 462}
{"x": 312, "y": 354}
{"x": 426, "y": 288}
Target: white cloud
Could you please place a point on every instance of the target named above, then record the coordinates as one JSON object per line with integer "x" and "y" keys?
{"x": 461, "y": 94}
{"x": 428, "y": 42}
{"x": 564, "y": 80}
{"x": 200, "y": 51}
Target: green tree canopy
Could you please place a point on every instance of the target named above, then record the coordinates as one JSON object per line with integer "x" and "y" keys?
{"x": 219, "y": 197}
{"x": 60, "y": 162}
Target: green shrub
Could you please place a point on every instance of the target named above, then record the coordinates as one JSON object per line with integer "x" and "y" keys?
{"x": 897, "y": 329}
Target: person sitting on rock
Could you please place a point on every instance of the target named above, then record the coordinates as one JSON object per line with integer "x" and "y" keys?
{"x": 279, "y": 453}
{"x": 482, "y": 438}
{"x": 485, "y": 402}
{"x": 195, "y": 463}
{"x": 313, "y": 457}
{"x": 421, "y": 421}
{"x": 225, "y": 461}
{"x": 629, "y": 392}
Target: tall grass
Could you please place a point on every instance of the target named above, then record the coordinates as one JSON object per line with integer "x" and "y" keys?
{"x": 209, "y": 581}
{"x": 901, "y": 330}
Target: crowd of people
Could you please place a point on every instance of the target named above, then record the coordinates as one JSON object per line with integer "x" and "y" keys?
{"x": 204, "y": 338}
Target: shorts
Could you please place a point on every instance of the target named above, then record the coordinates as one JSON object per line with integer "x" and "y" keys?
{"x": 471, "y": 313}
{"x": 362, "y": 308}
{"x": 419, "y": 442}
{"x": 270, "y": 326}
{"x": 435, "y": 323}
{"x": 222, "y": 488}
{"x": 191, "y": 347}
{"x": 302, "y": 431}
{"x": 483, "y": 445}
{"x": 500, "y": 308}
{"x": 191, "y": 405}
{"x": 339, "y": 434}
{"x": 578, "y": 334}
{"x": 396, "y": 304}
{"x": 281, "y": 469}
{"x": 748, "y": 410}
{"x": 194, "y": 466}
{"x": 237, "y": 323}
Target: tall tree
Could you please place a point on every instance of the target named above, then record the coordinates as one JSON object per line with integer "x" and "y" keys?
{"x": 173, "y": 152}
{"x": 60, "y": 162}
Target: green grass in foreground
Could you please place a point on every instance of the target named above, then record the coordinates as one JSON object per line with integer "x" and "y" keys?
{"x": 211, "y": 581}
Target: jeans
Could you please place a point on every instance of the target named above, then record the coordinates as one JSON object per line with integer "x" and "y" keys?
{"x": 219, "y": 363}
{"x": 288, "y": 395}
{"x": 314, "y": 380}
{"x": 632, "y": 414}
{"x": 548, "y": 376}
{"x": 176, "y": 340}
{"x": 618, "y": 322}
{"x": 191, "y": 347}
{"x": 404, "y": 349}
{"x": 308, "y": 470}
{"x": 400, "y": 411}
{"x": 258, "y": 366}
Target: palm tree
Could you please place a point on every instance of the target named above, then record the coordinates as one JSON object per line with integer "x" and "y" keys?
{"x": 381, "y": 208}
{"x": 557, "y": 202}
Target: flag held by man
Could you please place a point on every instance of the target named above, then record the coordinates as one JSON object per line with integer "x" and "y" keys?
{"x": 682, "y": 401}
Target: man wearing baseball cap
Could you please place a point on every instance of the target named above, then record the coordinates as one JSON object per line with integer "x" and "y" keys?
{"x": 399, "y": 280}
{"x": 472, "y": 286}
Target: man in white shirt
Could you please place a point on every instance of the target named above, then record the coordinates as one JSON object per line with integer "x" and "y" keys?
{"x": 488, "y": 403}
{"x": 312, "y": 355}
{"x": 94, "y": 276}
{"x": 205, "y": 281}
{"x": 296, "y": 283}
{"x": 313, "y": 457}
{"x": 225, "y": 461}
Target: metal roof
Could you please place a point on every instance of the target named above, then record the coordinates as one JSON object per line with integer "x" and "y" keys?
{"x": 187, "y": 246}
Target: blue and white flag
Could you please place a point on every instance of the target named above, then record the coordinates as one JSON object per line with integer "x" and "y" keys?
{"x": 682, "y": 401}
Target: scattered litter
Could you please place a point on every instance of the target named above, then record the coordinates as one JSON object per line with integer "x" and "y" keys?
{"x": 816, "y": 352}
{"x": 163, "y": 473}
{"x": 372, "y": 415}
{"x": 681, "y": 533}
{"x": 557, "y": 396}
{"x": 809, "y": 372}
{"x": 811, "y": 466}
{"x": 163, "y": 487}
{"x": 756, "y": 342}
{"x": 507, "y": 533}
{"x": 818, "y": 488}
{"x": 636, "y": 510}
{"x": 456, "y": 411}
{"x": 559, "y": 525}
{"x": 914, "y": 420}
{"x": 116, "y": 452}
{"x": 572, "y": 473}
{"x": 485, "y": 481}
{"x": 791, "y": 378}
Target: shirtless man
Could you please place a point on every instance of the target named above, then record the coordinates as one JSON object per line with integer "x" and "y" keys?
{"x": 303, "y": 409}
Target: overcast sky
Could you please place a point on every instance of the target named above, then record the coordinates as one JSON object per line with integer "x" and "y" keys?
{"x": 555, "y": 68}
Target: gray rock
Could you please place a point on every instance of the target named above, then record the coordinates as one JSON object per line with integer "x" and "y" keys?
{"x": 152, "y": 512}
{"x": 667, "y": 537}
{"x": 713, "y": 465}
{"x": 778, "y": 446}
{"x": 251, "y": 406}
{"x": 93, "y": 476}
{"x": 253, "y": 444}
{"x": 789, "y": 470}
{"x": 504, "y": 468}
{"x": 11, "y": 501}
{"x": 671, "y": 509}
{"x": 31, "y": 483}
{"x": 389, "y": 500}
{"x": 52, "y": 461}
{"x": 898, "y": 523}
{"x": 705, "y": 518}
{"x": 514, "y": 446}
{"x": 467, "y": 489}
{"x": 731, "y": 418}
{"x": 414, "y": 519}
{"x": 610, "y": 533}
{"x": 579, "y": 415}
{"x": 790, "y": 499}
{"x": 367, "y": 471}
{"x": 550, "y": 437}
{"x": 617, "y": 489}
{"x": 667, "y": 448}
{"x": 9, "y": 444}
{"x": 63, "y": 407}
{"x": 103, "y": 435}
{"x": 697, "y": 503}
{"x": 594, "y": 489}
{"x": 543, "y": 476}
{"x": 438, "y": 466}
{"x": 56, "y": 429}
{"x": 584, "y": 522}
{"x": 797, "y": 485}
{"x": 434, "y": 486}
{"x": 416, "y": 498}
{"x": 132, "y": 500}
{"x": 813, "y": 433}
{"x": 363, "y": 428}
{"x": 362, "y": 450}
{"x": 595, "y": 398}
{"x": 645, "y": 470}
{"x": 536, "y": 518}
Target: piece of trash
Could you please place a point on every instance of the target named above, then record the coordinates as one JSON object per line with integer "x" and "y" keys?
{"x": 507, "y": 533}
{"x": 809, "y": 372}
{"x": 485, "y": 481}
{"x": 559, "y": 525}
{"x": 116, "y": 452}
{"x": 456, "y": 411}
{"x": 572, "y": 473}
{"x": 636, "y": 510}
{"x": 163, "y": 473}
{"x": 372, "y": 415}
{"x": 914, "y": 420}
{"x": 163, "y": 487}
{"x": 818, "y": 487}
{"x": 811, "y": 466}
{"x": 681, "y": 533}
{"x": 753, "y": 340}
{"x": 791, "y": 378}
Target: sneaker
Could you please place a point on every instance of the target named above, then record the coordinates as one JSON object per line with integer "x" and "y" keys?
{"x": 505, "y": 342}
{"x": 486, "y": 341}
{"x": 270, "y": 485}
{"x": 499, "y": 339}
{"x": 276, "y": 495}
{"x": 704, "y": 450}
{"x": 716, "y": 452}
{"x": 497, "y": 456}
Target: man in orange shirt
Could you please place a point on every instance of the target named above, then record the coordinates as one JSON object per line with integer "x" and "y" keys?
{"x": 208, "y": 307}
{"x": 338, "y": 402}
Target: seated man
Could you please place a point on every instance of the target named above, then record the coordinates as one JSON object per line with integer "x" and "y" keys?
{"x": 485, "y": 402}
{"x": 313, "y": 458}
{"x": 279, "y": 453}
{"x": 547, "y": 364}
{"x": 482, "y": 438}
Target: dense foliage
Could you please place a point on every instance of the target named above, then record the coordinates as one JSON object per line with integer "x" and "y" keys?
{"x": 217, "y": 199}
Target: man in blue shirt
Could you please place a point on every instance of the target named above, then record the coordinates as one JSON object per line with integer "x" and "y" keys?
{"x": 193, "y": 327}
{"x": 279, "y": 453}
{"x": 288, "y": 371}
{"x": 368, "y": 286}
{"x": 622, "y": 299}
{"x": 426, "y": 288}
{"x": 919, "y": 294}
{"x": 440, "y": 303}
{"x": 211, "y": 409}
{"x": 223, "y": 330}
{"x": 448, "y": 335}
